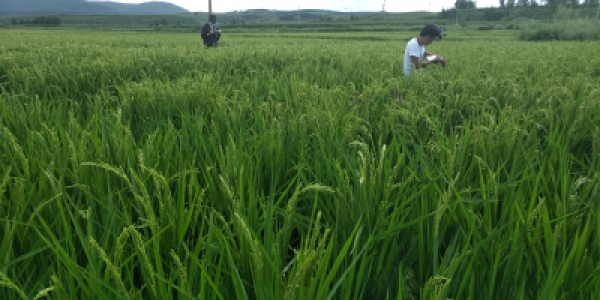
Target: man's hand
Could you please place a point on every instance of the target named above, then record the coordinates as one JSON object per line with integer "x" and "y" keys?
{"x": 442, "y": 61}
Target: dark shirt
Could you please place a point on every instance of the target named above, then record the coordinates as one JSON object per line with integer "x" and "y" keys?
{"x": 212, "y": 39}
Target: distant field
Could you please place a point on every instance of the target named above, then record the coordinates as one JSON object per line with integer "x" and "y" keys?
{"x": 297, "y": 166}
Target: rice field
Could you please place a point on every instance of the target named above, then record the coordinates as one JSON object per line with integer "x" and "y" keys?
{"x": 297, "y": 166}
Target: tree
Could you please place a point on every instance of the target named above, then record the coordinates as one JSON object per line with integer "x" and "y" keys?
{"x": 523, "y": 3}
{"x": 510, "y": 3}
{"x": 452, "y": 13}
{"x": 465, "y": 4}
{"x": 501, "y": 3}
{"x": 494, "y": 14}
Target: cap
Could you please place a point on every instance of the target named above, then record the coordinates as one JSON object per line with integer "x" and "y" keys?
{"x": 433, "y": 30}
{"x": 212, "y": 18}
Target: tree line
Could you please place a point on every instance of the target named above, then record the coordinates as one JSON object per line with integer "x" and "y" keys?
{"x": 513, "y": 3}
{"x": 467, "y": 4}
{"x": 511, "y": 9}
{"x": 43, "y": 21}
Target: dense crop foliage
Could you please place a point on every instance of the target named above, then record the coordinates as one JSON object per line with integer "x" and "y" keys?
{"x": 567, "y": 24}
{"x": 143, "y": 166}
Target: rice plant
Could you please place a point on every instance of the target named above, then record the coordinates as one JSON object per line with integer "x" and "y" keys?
{"x": 144, "y": 166}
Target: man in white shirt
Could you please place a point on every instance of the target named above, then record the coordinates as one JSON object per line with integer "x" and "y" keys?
{"x": 415, "y": 49}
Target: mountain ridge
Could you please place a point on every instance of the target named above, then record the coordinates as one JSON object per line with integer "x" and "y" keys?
{"x": 67, "y": 7}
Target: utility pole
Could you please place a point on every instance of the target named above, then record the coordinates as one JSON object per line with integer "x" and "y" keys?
{"x": 598, "y": 12}
{"x": 457, "y": 8}
{"x": 209, "y": 8}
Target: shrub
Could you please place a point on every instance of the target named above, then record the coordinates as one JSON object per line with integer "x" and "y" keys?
{"x": 575, "y": 29}
{"x": 567, "y": 25}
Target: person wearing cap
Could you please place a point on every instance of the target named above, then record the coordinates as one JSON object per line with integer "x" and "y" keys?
{"x": 210, "y": 32}
{"x": 415, "y": 55}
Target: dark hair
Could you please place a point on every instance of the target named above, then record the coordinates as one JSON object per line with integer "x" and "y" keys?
{"x": 212, "y": 18}
{"x": 433, "y": 30}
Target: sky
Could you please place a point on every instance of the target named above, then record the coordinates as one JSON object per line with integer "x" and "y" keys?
{"x": 338, "y": 5}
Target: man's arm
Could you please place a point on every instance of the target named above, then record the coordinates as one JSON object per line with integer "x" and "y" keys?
{"x": 217, "y": 33}
{"x": 205, "y": 31}
{"x": 419, "y": 64}
{"x": 438, "y": 59}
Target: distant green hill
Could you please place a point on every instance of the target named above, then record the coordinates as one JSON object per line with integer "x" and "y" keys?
{"x": 147, "y": 8}
{"x": 81, "y": 7}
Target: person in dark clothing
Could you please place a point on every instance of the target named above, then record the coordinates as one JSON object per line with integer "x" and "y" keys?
{"x": 210, "y": 32}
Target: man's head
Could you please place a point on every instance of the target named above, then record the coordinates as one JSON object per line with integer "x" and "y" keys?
{"x": 431, "y": 33}
{"x": 212, "y": 19}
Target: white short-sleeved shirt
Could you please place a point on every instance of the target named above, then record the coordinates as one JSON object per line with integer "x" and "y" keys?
{"x": 412, "y": 49}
